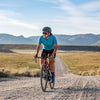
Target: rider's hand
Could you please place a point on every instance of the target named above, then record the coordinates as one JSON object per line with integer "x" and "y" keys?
{"x": 36, "y": 56}
{"x": 53, "y": 55}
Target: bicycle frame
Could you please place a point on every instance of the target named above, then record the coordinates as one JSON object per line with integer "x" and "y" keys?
{"x": 45, "y": 68}
{"x": 46, "y": 62}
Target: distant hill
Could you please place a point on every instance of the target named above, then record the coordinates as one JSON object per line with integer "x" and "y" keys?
{"x": 80, "y": 39}
{"x": 34, "y": 39}
{"x": 10, "y": 39}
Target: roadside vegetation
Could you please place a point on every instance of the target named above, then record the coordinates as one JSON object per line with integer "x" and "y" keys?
{"x": 12, "y": 64}
{"x": 85, "y": 64}
{"x": 21, "y": 63}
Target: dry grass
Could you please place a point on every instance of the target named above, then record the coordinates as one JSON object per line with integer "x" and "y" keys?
{"x": 18, "y": 64}
{"x": 21, "y": 63}
{"x": 98, "y": 71}
{"x": 85, "y": 64}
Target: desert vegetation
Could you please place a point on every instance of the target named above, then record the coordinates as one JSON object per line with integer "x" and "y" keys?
{"x": 12, "y": 64}
{"x": 84, "y": 64}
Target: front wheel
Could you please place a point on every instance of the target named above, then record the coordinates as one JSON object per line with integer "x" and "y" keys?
{"x": 43, "y": 77}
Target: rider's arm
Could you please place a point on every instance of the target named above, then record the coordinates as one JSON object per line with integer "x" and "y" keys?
{"x": 38, "y": 48}
{"x": 55, "y": 45}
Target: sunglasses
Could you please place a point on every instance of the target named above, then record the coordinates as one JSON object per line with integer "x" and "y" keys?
{"x": 45, "y": 33}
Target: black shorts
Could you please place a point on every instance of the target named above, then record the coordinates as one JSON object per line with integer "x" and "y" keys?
{"x": 45, "y": 53}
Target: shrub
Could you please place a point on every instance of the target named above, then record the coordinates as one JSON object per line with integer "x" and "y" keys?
{"x": 92, "y": 72}
{"x": 2, "y": 74}
{"x": 85, "y": 73}
{"x": 98, "y": 72}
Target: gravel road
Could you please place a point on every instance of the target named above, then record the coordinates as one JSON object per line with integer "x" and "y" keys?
{"x": 67, "y": 87}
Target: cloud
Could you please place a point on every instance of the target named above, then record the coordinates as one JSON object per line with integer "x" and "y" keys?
{"x": 8, "y": 21}
{"x": 50, "y": 1}
{"x": 7, "y": 5}
{"x": 91, "y": 6}
{"x": 83, "y": 17}
{"x": 78, "y": 24}
{"x": 74, "y": 18}
{"x": 9, "y": 13}
{"x": 86, "y": 9}
{"x": 69, "y": 8}
{"x": 9, "y": 18}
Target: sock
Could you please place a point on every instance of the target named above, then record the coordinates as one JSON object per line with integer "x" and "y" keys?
{"x": 52, "y": 74}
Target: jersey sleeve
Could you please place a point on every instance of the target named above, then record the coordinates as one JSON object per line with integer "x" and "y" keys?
{"x": 55, "y": 40}
{"x": 40, "y": 40}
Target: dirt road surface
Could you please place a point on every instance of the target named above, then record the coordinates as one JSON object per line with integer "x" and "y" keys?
{"x": 67, "y": 87}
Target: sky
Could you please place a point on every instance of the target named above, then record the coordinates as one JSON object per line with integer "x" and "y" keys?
{"x": 28, "y": 17}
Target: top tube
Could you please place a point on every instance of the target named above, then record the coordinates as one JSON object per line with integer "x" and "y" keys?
{"x": 47, "y": 57}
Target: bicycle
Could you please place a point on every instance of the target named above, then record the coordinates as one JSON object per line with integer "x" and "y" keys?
{"x": 45, "y": 75}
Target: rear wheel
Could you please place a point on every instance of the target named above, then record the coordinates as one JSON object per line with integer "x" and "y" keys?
{"x": 43, "y": 77}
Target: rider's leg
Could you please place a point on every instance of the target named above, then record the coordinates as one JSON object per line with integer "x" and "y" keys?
{"x": 42, "y": 61}
{"x": 43, "y": 54}
{"x": 52, "y": 66}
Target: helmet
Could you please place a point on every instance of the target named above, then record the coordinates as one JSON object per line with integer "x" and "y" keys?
{"x": 47, "y": 29}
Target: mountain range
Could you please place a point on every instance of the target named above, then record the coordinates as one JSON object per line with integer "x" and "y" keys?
{"x": 79, "y": 39}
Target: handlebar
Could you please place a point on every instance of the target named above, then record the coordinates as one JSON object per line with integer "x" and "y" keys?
{"x": 35, "y": 58}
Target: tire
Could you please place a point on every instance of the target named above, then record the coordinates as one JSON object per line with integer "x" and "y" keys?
{"x": 42, "y": 79}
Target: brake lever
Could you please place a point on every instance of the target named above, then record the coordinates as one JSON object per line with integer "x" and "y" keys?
{"x": 35, "y": 59}
{"x": 53, "y": 58}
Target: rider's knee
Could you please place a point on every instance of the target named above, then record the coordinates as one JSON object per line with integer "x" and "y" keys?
{"x": 42, "y": 61}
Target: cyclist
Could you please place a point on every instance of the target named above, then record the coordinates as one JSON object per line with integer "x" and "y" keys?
{"x": 49, "y": 48}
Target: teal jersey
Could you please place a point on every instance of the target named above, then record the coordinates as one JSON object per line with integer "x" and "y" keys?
{"x": 48, "y": 44}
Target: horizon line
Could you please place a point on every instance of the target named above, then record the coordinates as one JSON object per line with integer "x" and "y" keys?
{"x": 53, "y": 34}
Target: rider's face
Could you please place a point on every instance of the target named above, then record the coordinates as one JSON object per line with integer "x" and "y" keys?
{"x": 46, "y": 34}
